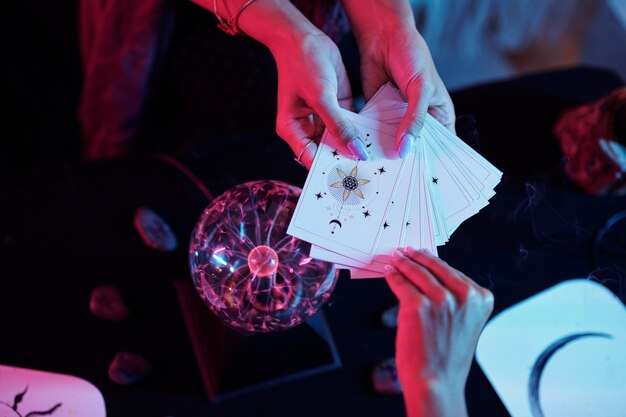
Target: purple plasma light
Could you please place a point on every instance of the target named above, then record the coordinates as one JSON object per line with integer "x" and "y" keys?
{"x": 245, "y": 267}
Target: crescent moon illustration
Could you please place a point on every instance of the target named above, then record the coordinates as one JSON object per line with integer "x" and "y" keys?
{"x": 537, "y": 370}
{"x": 337, "y": 222}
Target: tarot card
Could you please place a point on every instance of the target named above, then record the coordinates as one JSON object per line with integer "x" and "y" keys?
{"x": 452, "y": 187}
{"x": 397, "y": 220}
{"x": 389, "y": 107}
{"x": 394, "y": 228}
{"x": 439, "y": 228}
{"x": 420, "y": 232}
{"x": 343, "y": 262}
{"x": 356, "y": 273}
{"x": 476, "y": 164}
{"x": 388, "y": 97}
{"x": 344, "y": 202}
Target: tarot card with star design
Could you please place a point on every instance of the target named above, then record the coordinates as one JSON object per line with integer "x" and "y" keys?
{"x": 452, "y": 186}
{"x": 394, "y": 228}
{"x": 421, "y": 219}
{"x": 481, "y": 172}
{"x": 344, "y": 201}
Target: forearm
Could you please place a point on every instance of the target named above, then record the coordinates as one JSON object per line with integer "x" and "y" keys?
{"x": 375, "y": 17}
{"x": 271, "y": 22}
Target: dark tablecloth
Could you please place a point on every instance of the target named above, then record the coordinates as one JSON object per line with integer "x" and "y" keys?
{"x": 68, "y": 229}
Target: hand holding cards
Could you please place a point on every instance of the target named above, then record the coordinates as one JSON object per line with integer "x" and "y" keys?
{"x": 355, "y": 213}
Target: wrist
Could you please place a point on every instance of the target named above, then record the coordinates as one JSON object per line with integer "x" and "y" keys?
{"x": 374, "y": 19}
{"x": 434, "y": 399}
{"x": 275, "y": 23}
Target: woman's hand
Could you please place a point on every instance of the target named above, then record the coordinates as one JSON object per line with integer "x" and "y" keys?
{"x": 392, "y": 50}
{"x": 403, "y": 58}
{"x": 312, "y": 89}
{"x": 441, "y": 315}
{"x": 312, "y": 81}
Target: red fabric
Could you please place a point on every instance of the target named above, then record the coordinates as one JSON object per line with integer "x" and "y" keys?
{"x": 578, "y": 131}
{"x": 120, "y": 42}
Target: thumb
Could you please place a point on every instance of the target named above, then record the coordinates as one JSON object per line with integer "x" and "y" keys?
{"x": 340, "y": 128}
{"x": 418, "y": 96}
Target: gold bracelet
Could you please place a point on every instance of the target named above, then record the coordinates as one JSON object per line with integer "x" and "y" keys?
{"x": 231, "y": 26}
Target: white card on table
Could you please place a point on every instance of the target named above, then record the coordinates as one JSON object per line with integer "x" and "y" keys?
{"x": 559, "y": 353}
{"x": 31, "y": 392}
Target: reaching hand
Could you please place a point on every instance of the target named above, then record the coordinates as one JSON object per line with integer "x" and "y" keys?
{"x": 402, "y": 57}
{"x": 312, "y": 81}
{"x": 312, "y": 87}
{"x": 441, "y": 315}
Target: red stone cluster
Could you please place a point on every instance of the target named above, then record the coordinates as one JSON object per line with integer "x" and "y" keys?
{"x": 579, "y": 131}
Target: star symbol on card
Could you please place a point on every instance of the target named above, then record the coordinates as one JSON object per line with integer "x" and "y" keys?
{"x": 350, "y": 183}
{"x": 381, "y": 170}
{"x": 366, "y": 214}
{"x": 335, "y": 153}
{"x": 435, "y": 180}
{"x": 318, "y": 195}
{"x": 386, "y": 225}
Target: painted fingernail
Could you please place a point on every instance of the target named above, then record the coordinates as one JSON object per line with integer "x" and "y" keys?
{"x": 396, "y": 254}
{"x": 388, "y": 268}
{"x": 357, "y": 147}
{"x": 406, "y": 144}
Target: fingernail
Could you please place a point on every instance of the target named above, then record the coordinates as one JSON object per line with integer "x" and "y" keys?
{"x": 389, "y": 268}
{"x": 396, "y": 254}
{"x": 357, "y": 147}
{"x": 408, "y": 249}
{"x": 406, "y": 144}
{"x": 426, "y": 252}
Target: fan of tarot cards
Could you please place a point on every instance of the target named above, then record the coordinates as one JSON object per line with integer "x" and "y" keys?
{"x": 355, "y": 213}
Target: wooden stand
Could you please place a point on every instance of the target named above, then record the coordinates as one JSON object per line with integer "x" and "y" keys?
{"x": 232, "y": 364}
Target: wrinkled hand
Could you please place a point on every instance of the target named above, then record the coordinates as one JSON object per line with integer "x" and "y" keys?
{"x": 312, "y": 87}
{"x": 441, "y": 315}
{"x": 401, "y": 56}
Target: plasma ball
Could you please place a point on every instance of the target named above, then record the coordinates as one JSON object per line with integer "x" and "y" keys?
{"x": 237, "y": 270}
{"x": 263, "y": 261}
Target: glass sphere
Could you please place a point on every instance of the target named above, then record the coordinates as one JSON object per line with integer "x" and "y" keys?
{"x": 245, "y": 267}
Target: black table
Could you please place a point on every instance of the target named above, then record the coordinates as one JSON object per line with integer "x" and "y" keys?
{"x": 66, "y": 230}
